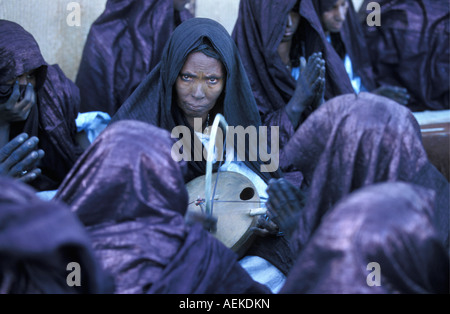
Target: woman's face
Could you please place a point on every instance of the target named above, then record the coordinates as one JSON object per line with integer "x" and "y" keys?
{"x": 292, "y": 25}
{"x": 24, "y": 79}
{"x": 199, "y": 85}
{"x": 334, "y": 18}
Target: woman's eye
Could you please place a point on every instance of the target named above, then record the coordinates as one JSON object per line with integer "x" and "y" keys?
{"x": 213, "y": 81}
{"x": 185, "y": 77}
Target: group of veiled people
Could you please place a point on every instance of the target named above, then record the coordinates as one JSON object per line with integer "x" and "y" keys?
{"x": 354, "y": 185}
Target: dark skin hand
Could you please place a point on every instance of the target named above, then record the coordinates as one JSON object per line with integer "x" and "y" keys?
{"x": 19, "y": 158}
{"x": 209, "y": 222}
{"x": 310, "y": 88}
{"x": 16, "y": 109}
{"x": 396, "y": 93}
{"x": 283, "y": 209}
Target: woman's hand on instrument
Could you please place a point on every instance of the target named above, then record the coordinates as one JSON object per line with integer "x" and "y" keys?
{"x": 284, "y": 205}
{"x": 209, "y": 222}
{"x": 19, "y": 158}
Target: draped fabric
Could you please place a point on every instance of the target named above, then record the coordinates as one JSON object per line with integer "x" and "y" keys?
{"x": 337, "y": 79}
{"x": 124, "y": 44}
{"x": 351, "y": 40}
{"x": 19, "y": 54}
{"x": 153, "y": 102}
{"x": 411, "y": 48}
{"x": 258, "y": 32}
{"x": 38, "y": 240}
{"x": 378, "y": 239}
{"x": 52, "y": 120}
{"x": 130, "y": 194}
{"x": 353, "y": 141}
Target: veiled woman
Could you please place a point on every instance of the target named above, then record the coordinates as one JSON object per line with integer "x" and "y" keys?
{"x": 199, "y": 76}
{"x": 123, "y": 45}
{"x": 261, "y": 30}
{"x": 130, "y": 195}
{"x": 39, "y": 103}
{"x": 379, "y": 239}
{"x": 354, "y": 141}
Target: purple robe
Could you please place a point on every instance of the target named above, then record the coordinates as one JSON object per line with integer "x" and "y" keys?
{"x": 351, "y": 41}
{"x": 378, "y": 239}
{"x": 130, "y": 194}
{"x": 52, "y": 120}
{"x": 38, "y": 240}
{"x": 411, "y": 48}
{"x": 153, "y": 102}
{"x": 258, "y": 32}
{"x": 124, "y": 44}
{"x": 354, "y": 141}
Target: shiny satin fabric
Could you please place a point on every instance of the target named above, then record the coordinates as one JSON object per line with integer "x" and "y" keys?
{"x": 153, "y": 102}
{"x": 19, "y": 54}
{"x": 52, "y": 120}
{"x": 38, "y": 240}
{"x": 379, "y": 239}
{"x": 354, "y": 141}
{"x": 130, "y": 194}
{"x": 411, "y": 48}
{"x": 351, "y": 40}
{"x": 123, "y": 45}
{"x": 258, "y": 32}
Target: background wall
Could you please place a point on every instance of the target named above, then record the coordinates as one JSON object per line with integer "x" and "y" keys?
{"x": 46, "y": 20}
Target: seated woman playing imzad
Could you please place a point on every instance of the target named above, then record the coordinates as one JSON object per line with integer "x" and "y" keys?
{"x": 199, "y": 76}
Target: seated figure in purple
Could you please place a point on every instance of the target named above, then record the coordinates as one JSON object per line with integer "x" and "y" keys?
{"x": 378, "y": 239}
{"x": 357, "y": 140}
{"x": 343, "y": 30}
{"x": 199, "y": 77}
{"x": 411, "y": 48}
{"x": 123, "y": 45}
{"x": 349, "y": 143}
{"x": 38, "y": 108}
{"x": 286, "y": 87}
{"x": 130, "y": 195}
{"x": 44, "y": 248}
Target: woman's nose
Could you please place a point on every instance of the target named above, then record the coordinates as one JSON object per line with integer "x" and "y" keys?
{"x": 198, "y": 91}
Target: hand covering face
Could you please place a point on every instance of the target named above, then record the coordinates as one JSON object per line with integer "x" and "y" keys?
{"x": 52, "y": 119}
